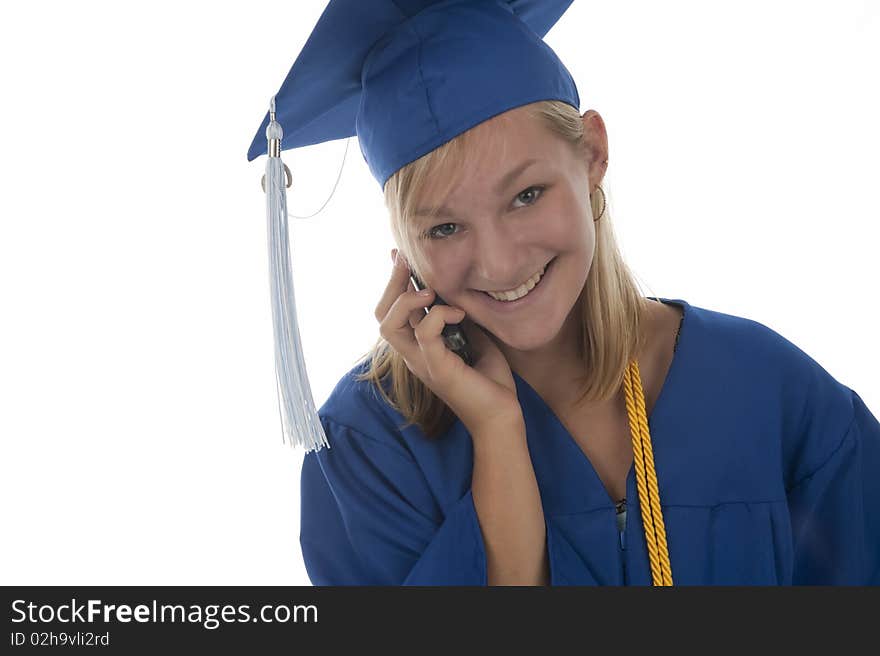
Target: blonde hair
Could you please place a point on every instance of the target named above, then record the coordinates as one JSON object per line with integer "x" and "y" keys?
{"x": 611, "y": 307}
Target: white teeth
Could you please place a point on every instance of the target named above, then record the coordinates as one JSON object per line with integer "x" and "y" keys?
{"x": 520, "y": 291}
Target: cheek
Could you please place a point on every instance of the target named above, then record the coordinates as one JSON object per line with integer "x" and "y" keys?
{"x": 563, "y": 229}
{"x": 564, "y": 213}
{"x": 447, "y": 268}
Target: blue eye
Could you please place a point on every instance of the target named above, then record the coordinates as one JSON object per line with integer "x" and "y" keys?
{"x": 432, "y": 234}
{"x": 531, "y": 195}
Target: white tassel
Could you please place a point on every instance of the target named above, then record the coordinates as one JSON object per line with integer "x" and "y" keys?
{"x": 299, "y": 419}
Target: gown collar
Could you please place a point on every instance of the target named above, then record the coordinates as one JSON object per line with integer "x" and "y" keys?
{"x": 567, "y": 480}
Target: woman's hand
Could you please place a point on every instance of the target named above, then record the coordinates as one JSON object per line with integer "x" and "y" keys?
{"x": 482, "y": 395}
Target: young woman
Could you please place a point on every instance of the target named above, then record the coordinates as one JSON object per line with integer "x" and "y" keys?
{"x": 597, "y": 436}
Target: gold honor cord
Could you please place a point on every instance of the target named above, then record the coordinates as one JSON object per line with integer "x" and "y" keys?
{"x": 646, "y": 477}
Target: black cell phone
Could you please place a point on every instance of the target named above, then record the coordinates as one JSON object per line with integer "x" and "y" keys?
{"x": 453, "y": 334}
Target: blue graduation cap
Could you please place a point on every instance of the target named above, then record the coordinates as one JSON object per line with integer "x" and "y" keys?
{"x": 405, "y": 76}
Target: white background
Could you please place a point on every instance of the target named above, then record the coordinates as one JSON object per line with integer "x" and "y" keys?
{"x": 138, "y": 412}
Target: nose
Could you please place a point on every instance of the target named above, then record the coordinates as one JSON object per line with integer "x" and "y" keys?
{"x": 499, "y": 258}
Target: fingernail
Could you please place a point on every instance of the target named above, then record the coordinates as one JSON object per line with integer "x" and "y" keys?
{"x": 399, "y": 260}
{"x": 424, "y": 292}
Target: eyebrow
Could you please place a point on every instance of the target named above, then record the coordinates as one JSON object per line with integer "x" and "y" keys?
{"x": 502, "y": 184}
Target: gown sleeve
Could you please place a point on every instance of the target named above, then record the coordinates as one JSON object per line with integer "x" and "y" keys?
{"x": 368, "y": 517}
{"x": 835, "y": 511}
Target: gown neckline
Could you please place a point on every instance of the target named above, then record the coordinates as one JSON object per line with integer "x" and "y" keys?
{"x": 660, "y": 403}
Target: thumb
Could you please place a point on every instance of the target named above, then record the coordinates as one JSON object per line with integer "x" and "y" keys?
{"x": 477, "y": 338}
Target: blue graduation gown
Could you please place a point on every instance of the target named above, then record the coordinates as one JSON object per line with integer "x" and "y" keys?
{"x": 768, "y": 472}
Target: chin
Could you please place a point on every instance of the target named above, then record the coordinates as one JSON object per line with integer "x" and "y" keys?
{"x": 526, "y": 338}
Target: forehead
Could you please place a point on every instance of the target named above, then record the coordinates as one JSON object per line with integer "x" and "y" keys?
{"x": 489, "y": 151}
{"x": 508, "y": 134}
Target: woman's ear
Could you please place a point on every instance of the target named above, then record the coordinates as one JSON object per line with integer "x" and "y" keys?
{"x": 595, "y": 146}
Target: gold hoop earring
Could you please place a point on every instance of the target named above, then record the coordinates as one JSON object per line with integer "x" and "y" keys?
{"x": 602, "y": 213}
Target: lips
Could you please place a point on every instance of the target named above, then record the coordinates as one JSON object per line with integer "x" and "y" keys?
{"x": 522, "y": 289}
{"x": 533, "y": 293}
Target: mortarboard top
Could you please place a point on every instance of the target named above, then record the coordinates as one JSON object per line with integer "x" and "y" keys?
{"x": 406, "y": 76}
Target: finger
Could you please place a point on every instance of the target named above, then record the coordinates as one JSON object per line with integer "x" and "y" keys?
{"x": 418, "y": 314}
{"x": 397, "y": 284}
{"x": 395, "y": 327}
{"x": 429, "y": 336}
{"x": 415, "y": 317}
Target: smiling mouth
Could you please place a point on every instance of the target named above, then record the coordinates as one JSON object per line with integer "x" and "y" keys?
{"x": 523, "y": 290}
